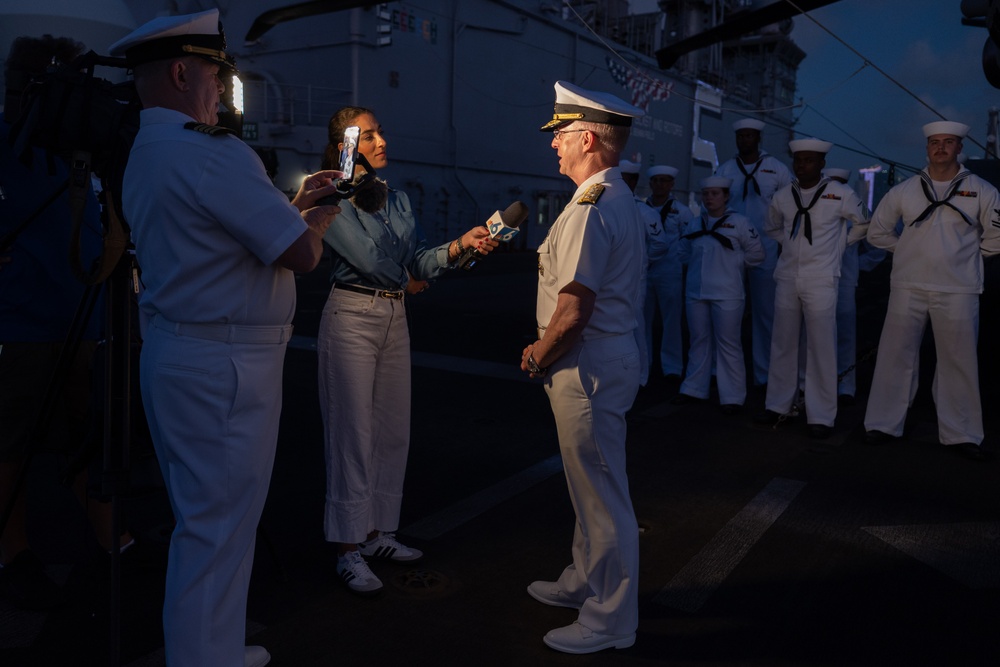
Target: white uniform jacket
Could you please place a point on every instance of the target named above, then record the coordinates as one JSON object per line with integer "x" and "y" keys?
{"x": 835, "y": 219}
{"x": 715, "y": 271}
{"x": 599, "y": 247}
{"x": 962, "y": 236}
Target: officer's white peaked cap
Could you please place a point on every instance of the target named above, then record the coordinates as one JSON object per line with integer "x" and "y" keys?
{"x": 167, "y": 37}
{"x": 576, "y": 103}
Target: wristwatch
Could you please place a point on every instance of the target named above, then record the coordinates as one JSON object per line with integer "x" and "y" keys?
{"x": 535, "y": 368}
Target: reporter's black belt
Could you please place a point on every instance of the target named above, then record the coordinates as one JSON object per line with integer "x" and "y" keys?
{"x": 371, "y": 291}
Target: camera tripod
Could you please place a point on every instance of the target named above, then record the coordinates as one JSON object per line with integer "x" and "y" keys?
{"x": 118, "y": 288}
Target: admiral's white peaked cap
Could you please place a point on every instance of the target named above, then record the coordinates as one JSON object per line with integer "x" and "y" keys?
{"x": 809, "y": 145}
{"x": 945, "y": 127}
{"x": 166, "y": 37}
{"x": 716, "y": 182}
{"x": 836, "y": 172}
{"x": 662, "y": 170}
{"x": 748, "y": 124}
{"x": 576, "y": 103}
{"x": 628, "y": 167}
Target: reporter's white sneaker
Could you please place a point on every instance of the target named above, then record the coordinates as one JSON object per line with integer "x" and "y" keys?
{"x": 387, "y": 547}
{"x": 356, "y": 575}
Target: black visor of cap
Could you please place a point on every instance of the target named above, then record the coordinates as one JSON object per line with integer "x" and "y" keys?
{"x": 567, "y": 113}
{"x": 210, "y": 47}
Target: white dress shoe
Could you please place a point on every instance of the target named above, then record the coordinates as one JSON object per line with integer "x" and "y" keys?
{"x": 577, "y": 639}
{"x": 548, "y": 592}
{"x": 256, "y": 656}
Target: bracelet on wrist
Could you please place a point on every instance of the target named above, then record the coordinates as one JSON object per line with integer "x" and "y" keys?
{"x": 459, "y": 247}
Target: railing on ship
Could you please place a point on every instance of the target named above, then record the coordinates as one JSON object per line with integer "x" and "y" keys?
{"x": 289, "y": 104}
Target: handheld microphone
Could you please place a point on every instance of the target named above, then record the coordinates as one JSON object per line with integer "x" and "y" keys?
{"x": 502, "y": 226}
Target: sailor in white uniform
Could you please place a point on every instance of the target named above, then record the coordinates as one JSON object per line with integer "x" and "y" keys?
{"x": 756, "y": 176}
{"x": 589, "y": 303}
{"x": 813, "y": 219}
{"x": 717, "y": 247}
{"x": 217, "y": 244}
{"x": 665, "y": 279}
{"x": 950, "y": 221}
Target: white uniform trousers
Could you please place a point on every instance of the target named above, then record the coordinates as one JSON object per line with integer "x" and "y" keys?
{"x": 955, "y": 320}
{"x": 364, "y": 396}
{"x": 847, "y": 336}
{"x": 213, "y": 410}
{"x": 590, "y": 388}
{"x": 811, "y": 302}
{"x": 760, "y": 287}
{"x": 715, "y": 336}
{"x": 665, "y": 290}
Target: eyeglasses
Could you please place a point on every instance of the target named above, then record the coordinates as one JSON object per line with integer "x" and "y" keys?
{"x": 558, "y": 133}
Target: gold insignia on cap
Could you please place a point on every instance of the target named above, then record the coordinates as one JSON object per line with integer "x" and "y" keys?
{"x": 592, "y": 194}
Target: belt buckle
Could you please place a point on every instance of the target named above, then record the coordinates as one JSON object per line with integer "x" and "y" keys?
{"x": 386, "y": 294}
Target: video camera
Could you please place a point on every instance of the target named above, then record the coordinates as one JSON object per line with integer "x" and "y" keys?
{"x": 68, "y": 110}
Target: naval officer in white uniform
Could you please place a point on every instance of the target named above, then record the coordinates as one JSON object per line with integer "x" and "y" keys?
{"x": 217, "y": 244}
{"x": 756, "y": 176}
{"x": 950, "y": 221}
{"x": 589, "y": 303}
{"x": 813, "y": 219}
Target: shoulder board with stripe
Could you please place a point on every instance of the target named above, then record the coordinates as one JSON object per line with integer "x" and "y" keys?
{"x": 211, "y": 130}
{"x": 592, "y": 194}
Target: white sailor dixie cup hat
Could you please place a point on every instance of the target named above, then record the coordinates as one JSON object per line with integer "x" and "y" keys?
{"x": 576, "y": 103}
{"x": 166, "y": 37}
{"x": 748, "y": 124}
{"x": 945, "y": 127}
{"x": 716, "y": 182}
{"x": 809, "y": 145}
{"x": 628, "y": 167}
{"x": 662, "y": 170}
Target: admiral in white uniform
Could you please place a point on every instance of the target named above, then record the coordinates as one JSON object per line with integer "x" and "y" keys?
{"x": 589, "y": 303}
{"x": 756, "y": 176}
{"x": 717, "y": 247}
{"x": 950, "y": 220}
{"x": 813, "y": 219}
{"x": 665, "y": 278}
{"x": 217, "y": 244}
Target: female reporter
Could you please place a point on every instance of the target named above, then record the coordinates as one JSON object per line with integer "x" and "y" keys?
{"x": 379, "y": 255}
{"x": 717, "y": 247}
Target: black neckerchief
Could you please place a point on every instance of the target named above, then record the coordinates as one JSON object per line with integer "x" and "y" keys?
{"x": 665, "y": 211}
{"x": 927, "y": 185}
{"x": 749, "y": 177}
{"x": 713, "y": 232}
{"x": 803, "y": 213}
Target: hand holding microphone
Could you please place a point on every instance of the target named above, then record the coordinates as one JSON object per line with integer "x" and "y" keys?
{"x": 501, "y": 227}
